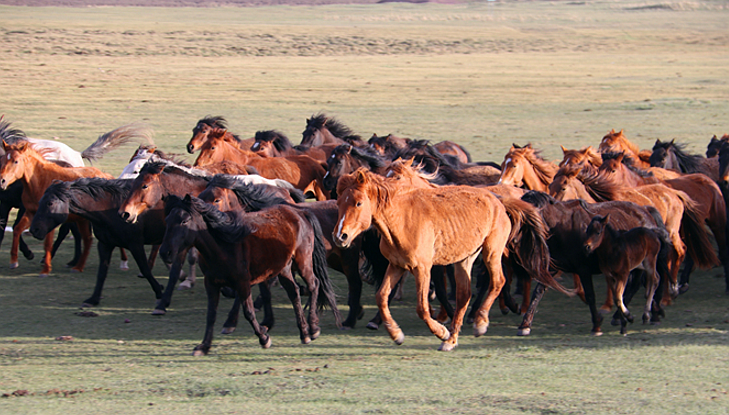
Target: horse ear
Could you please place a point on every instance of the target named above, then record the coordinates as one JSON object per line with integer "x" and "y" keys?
{"x": 621, "y": 132}
{"x": 673, "y": 141}
{"x": 564, "y": 150}
{"x": 187, "y": 199}
{"x": 360, "y": 175}
{"x": 605, "y": 219}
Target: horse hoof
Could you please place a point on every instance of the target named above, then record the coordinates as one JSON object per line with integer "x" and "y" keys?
{"x": 158, "y": 312}
{"x": 315, "y": 334}
{"x": 480, "y": 330}
{"x": 124, "y": 265}
{"x": 76, "y": 270}
{"x": 447, "y": 346}
{"x": 267, "y": 343}
{"x": 604, "y": 311}
{"x": 524, "y": 332}
{"x": 400, "y": 339}
{"x": 597, "y": 333}
{"x": 185, "y": 285}
{"x": 683, "y": 288}
{"x": 14, "y": 265}
{"x": 28, "y": 255}
{"x": 504, "y": 311}
{"x": 306, "y": 340}
{"x": 446, "y": 336}
{"x": 227, "y": 330}
{"x": 198, "y": 352}
{"x": 372, "y": 326}
{"x": 346, "y": 327}
{"x": 646, "y": 318}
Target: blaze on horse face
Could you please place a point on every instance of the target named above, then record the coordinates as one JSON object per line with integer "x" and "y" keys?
{"x": 355, "y": 210}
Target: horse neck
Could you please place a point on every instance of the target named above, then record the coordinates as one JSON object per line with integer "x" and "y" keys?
{"x": 210, "y": 249}
{"x": 37, "y": 176}
{"x": 182, "y": 184}
{"x": 579, "y": 190}
{"x": 538, "y": 177}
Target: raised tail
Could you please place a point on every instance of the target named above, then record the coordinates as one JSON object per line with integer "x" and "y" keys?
{"x": 319, "y": 259}
{"x": 695, "y": 235}
{"x": 528, "y": 241}
{"x": 115, "y": 138}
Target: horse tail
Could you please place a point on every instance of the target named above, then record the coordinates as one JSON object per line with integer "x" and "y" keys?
{"x": 319, "y": 259}
{"x": 116, "y": 138}
{"x": 695, "y": 235}
{"x": 528, "y": 242}
{"x": 376, "y": 264}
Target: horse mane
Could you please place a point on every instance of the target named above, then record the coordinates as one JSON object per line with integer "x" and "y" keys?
{"x": 619, "y": 136}
{"x": 98, "y": 188}
{"x": 217, "y": 122}
{"x": 319, "y": 121}
{"x": 364, "y": 154}
{"x": 158, "y": 166}
{"x": 600, "y": 187}
{"x": 424, "y": 153}
{"x": 227, "y": 226}
{"x": 688, "y": 163}
{"x": 405, "y": 168}
{"x": 173, "y": 157}
{"x": 593, "y": 156}
{"x": 544, "y": 169}
{"x": 538, "y": 199}
{"x": 279, "y": 140}
{"x": 380, "y": 189}
{"x": 8, "y": 134}
{"x": 252, "y": 197}
{"x": 628, "y": 161}
{"x": 25, "y": 146}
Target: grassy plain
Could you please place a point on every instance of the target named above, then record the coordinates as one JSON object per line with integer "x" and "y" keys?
{"x": 483, "y": 74}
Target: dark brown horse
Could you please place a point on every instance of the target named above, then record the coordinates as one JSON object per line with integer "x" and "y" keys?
{"x": 303, "y": 172}
{"x": 671, "y": 155}
{"x": 239, "y": 249}
{"x": 451, "y": 225}
{"x": 567, "y": 222}
{"x": 712, "y": 149}
{"x": 618, "y": 254}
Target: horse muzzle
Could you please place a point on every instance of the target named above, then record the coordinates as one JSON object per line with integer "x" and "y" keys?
{"x": 128, "y": 217}
{"x": 341, "y": 240}
{"x": 190, "y": 148}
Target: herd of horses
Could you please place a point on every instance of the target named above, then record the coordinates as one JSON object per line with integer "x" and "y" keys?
{"x": 382, "y": 208}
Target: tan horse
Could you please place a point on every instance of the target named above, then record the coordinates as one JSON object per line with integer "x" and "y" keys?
{"x": 441, "y": 226}
{"x": 23, "y": 163}
{"x": 305, "y": 173}
{"x": 614, "y": 142}
{"x": 524, "y": 167}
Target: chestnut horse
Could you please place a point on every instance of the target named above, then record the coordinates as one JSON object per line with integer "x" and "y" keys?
{"x": 524, "y": 167}
{"x": 448, "y": 225}
{"x": 305, "y": 173}
{"x": 321, "y": 130}
{"x": 240, "y": 249}
{"x": 614, "y": 142}
{"x": 25, "y": 164}
{"x": 204, "y": 126}
{"x": 587, "y": 157}
{"x": 273, "y": 143}
{"x": 619, "y": 253}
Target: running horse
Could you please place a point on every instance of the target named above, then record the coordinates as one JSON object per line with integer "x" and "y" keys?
{"x": 305, "y": 173}
{"x": 321, "y": 130}
{"x": 204, "y": 126}
{"x": 525, "y": 167}
{"x": 239, "y": 249}
{"x": 272, "y": 143}
{"x": 447, "y": 225}
{"x": 616, "y": 142}
{"x": 671, "y": 155}
{"x": 25, "y": 164}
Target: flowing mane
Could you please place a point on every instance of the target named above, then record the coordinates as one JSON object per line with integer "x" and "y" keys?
{"x": 252, "y": 197}
{"x": 626, "y": 160}
{"x": 381, "y": 192}
{"x": 216, "y": 122}
{"x": 278, "y": 139}
{"x": 612, "y": 141}
{"x": 114, "y": 190}
{"x": 364, "y": 154}
{"x": 319, "y": 121}
{"x": 228, "y": 226}
{"x": 158, "y": 166}
{"x": 8, "y": 134}
{"x": 687, "y": 163}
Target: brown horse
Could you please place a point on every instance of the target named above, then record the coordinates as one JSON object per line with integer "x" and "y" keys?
{"x": 524, "y": 167}
{"x": 23, "y": 163}
{"x": 712, "y": 149}
{"x": 272, "y": 143}
{"x": 701, "y": 189}
{"x": 619, "y": 253}
{"x": 388, "y": 145}
{"x": 240, "y": 249}
{"x": 424, "y": 227}
{"x": 204, "y": 126}
{"x": 671, "y": 155}
{"x": 586, "y": 157}
{"x": 303, "y": 172}
{"x": 321, "y": 130}
{"x": 346, "y": 159}
{"x": 614, "y": 142}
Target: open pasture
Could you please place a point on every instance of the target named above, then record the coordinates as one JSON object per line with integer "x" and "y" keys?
{"x": 484, "y": 75}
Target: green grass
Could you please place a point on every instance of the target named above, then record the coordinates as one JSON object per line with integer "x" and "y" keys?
{"x": 483, "y": 75}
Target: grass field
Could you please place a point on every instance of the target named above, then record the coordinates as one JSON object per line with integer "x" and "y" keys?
{"x": 484, "y": 75}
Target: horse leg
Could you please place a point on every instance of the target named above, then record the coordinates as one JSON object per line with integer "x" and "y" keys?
{"x": 618, "y": 286}
{"x": 482, "y": 286}
{"x": 151, "y": 258}
{"x": 84, "y": 228}
{"x": 392, "y": 276}
{"x": 497, "y": 281}
{"x": 526, "y": 324}
{"x": 192, "y": 259}
{"x": 462, "y": 276}
{"x": 244, "y": 292}
{"x": 232, "y": 321}
{"x": 438, "y": 276}
{"x": 683, "y": 282}
{"x": 374, "y": 324}
{"x": 635, "y": 279}
{"x": 506, "y": 301}
{"x": 422, "y": 286}
{"x": 104, "y": 251}
{"x": 608, "y": 304}
{"x": 587, "y": 285}
{"x": 20, "y": 225}
{"x": 527, "y": 288}
{"x": 651, "y": 285}
{"x": 165, "y": 298}
{"x": 213, "y": 293}
{"x": 4, "y": 214}
{"x": 47, "y": 248}
{"x": 124, "y": 264}
{"x": 63, "y": 231}
{"x": 350, "y": 268}
{"x": 292, "y": 290}
{"x": 578, "y": 287}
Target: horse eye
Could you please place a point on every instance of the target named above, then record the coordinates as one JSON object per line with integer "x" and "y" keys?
{"x": 212, "y": 148}
{"x": 359, "y": 204}
{"x": 144, "y": 186}
{"x": 216, "y": 201}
